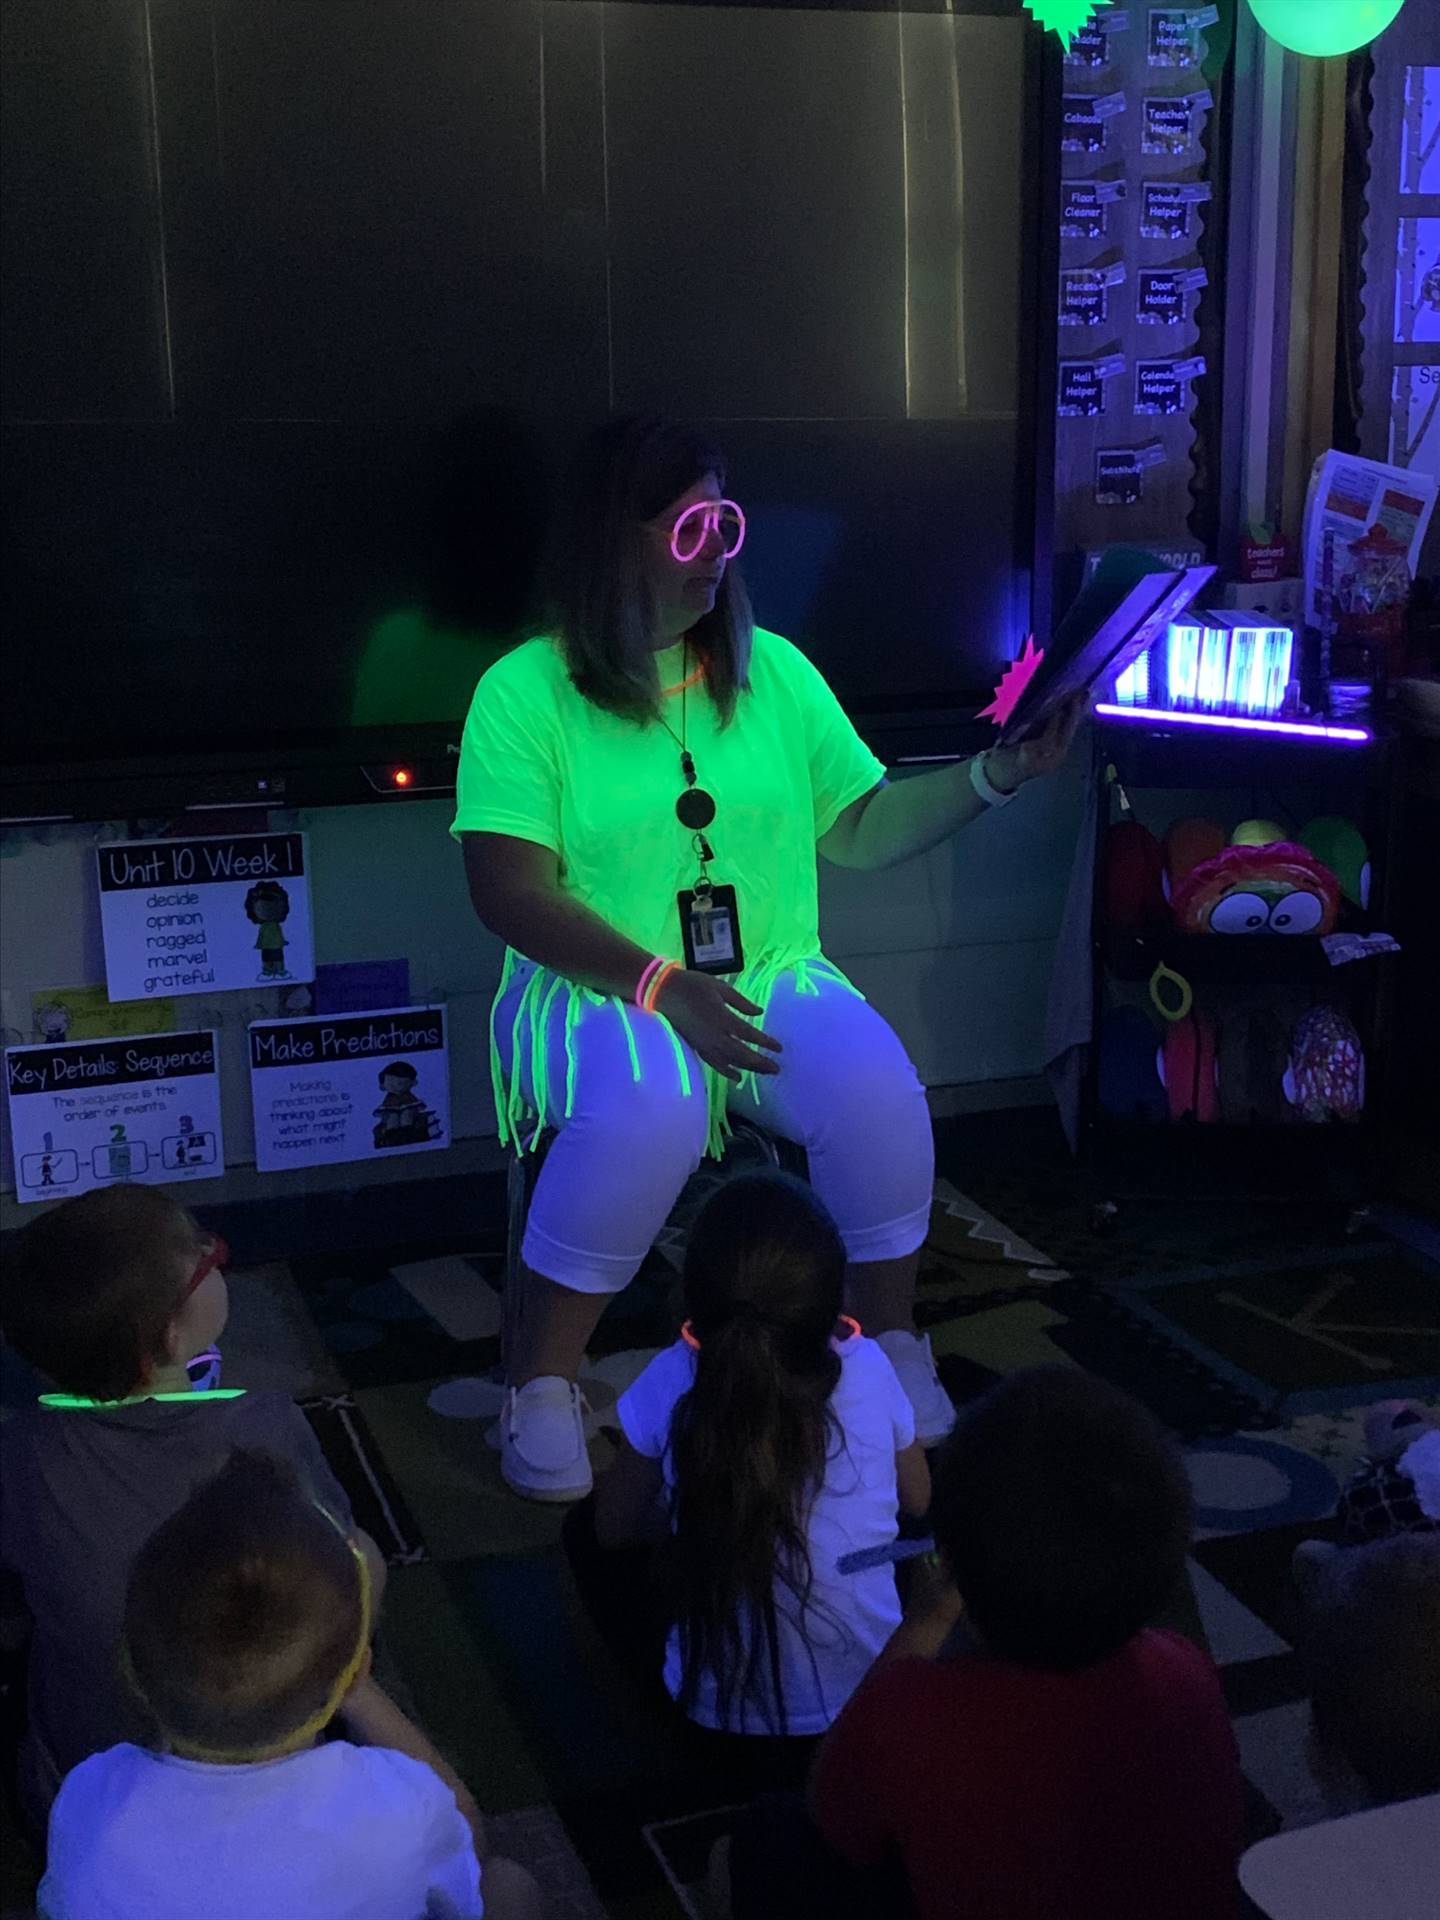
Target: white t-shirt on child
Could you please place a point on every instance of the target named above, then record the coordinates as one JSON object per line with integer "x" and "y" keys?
{"x": 851, "y": 1615}
{"x": 337, "y": 1832}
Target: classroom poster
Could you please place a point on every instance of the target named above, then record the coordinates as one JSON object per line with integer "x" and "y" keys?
{"x": 204, "y": 916}
{"x": 94, "y": 1113}
{"x": 337, "y": 1087}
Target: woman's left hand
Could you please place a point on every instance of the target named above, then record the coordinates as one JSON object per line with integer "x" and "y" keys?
{"x": 1007, "y": 768}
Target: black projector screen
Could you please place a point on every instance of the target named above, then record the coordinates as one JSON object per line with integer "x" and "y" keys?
{"x": 305, "y": 306}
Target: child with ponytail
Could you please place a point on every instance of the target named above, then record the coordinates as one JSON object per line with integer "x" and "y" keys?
{"x": 769, "y": 1441}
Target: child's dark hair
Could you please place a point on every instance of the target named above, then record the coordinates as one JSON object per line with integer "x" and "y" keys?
{"x": 1371, "y": 1642}
{"x": 92, "y": 1287}
{"x": 403, "y": 1068}
{"x": 764, "y": 1274}
{"x": 269, "y": 890}
{"x": 245, "y": 1613}
{"x": 1063, "y": 1513}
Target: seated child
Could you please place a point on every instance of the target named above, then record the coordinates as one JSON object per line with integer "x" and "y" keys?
{"x": 1026, "y": 1747}
{"x": 246, "y": 1633}
{"x": 1370, "y": 1637}
{"x": 110, "y": 1295}
{"x": 771, "y": 1439}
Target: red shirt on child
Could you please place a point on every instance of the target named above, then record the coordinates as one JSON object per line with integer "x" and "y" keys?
{"x": 1018, "y": 1793}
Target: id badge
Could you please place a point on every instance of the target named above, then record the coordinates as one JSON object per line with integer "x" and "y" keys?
{"x": 710, "y": 930}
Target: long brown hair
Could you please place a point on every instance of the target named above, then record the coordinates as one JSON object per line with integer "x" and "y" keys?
{"x": 764, "y": 1277}
{"x": 627, "y": 471}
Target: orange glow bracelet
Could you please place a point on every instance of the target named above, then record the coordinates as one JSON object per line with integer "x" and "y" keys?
{"x": 653, "y": 994}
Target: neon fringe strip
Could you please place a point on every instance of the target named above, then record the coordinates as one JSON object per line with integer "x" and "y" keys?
{"x": 522, "y": 1116}
{"x": 624, "y": 1013}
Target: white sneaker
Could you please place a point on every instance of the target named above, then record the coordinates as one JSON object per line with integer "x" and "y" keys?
{"x": 915, "y": 1365}
{"x": 542, "y": 1441}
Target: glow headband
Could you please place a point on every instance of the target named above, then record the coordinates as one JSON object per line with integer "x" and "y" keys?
{"x": 302, "y": 1735}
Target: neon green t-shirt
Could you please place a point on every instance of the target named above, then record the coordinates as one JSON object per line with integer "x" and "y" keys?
{"x": 541, "y": 763}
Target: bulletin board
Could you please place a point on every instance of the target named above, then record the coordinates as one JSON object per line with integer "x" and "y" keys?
{"x": 1390, "y": 284}
{"x": 1139, "y": 255}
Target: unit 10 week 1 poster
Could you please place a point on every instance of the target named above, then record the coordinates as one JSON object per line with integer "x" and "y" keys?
{"x": 205, "y": 916}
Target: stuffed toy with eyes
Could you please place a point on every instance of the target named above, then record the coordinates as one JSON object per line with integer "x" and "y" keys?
{"x": 1280, "y": 888}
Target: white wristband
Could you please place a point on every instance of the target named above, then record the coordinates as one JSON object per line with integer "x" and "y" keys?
{"x": 990, "y": 795}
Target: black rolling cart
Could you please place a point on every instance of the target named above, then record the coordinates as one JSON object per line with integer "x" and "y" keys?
{"x": 1254, "y": 1029}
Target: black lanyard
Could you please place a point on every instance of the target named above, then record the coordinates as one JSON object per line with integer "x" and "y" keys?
{"x": 695, "y": 808}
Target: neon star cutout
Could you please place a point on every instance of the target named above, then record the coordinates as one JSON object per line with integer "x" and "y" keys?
{"x": 1066, "y": 17}
{"x": 1013, "y": 682}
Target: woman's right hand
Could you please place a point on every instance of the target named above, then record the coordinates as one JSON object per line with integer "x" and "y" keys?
{"x": 707, "y": 1013}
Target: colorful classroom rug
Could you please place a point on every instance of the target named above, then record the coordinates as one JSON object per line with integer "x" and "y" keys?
{"x": 1255, "y": 1330}
{"x": 483, "y": 1619}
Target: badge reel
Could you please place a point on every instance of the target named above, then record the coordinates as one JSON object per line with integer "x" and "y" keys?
{"x": 709, "y": 915}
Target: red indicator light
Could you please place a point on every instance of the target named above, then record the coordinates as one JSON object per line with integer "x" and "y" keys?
{"x": 401, "y": 776}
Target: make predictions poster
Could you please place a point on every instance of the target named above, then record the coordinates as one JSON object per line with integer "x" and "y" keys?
{"x": 337, "y": 1087}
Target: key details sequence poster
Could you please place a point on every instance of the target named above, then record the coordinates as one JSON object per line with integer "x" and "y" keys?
{"x": 96, "y": 1113}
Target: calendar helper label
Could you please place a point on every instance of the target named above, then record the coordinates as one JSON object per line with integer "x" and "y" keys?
{"x": 331, "y": 1088}
{"x": 94, "y": 1113}
{"x": 204, "y": 916}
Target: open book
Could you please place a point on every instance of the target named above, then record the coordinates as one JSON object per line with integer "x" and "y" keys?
{"x": 1123, "y": 608}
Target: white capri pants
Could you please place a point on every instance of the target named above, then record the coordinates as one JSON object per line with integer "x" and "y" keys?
{"x": 846, "y": 1092}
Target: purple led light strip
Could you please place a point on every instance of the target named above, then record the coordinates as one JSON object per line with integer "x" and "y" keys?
{"x": 1304, "y": 729}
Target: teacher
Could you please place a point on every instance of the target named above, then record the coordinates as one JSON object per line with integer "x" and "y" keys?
{"x": 641, "y": 794}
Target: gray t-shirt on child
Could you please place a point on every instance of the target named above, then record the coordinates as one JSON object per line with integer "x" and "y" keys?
{"x": 80, "y": 1493}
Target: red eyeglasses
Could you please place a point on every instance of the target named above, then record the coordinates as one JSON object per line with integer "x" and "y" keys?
{"x": 213, "y": 1254}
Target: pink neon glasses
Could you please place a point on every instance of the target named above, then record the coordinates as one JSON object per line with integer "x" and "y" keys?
{"x": 694, "y": 526}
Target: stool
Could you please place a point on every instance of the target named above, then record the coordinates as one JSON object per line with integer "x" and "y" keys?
{"x": 749, "y": 1141}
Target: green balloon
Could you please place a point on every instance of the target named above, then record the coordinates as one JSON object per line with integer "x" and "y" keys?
{"x": 1324, "y": 27}
{"x": 1258, "y": 833}
{"x": 1339, "y": 845}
